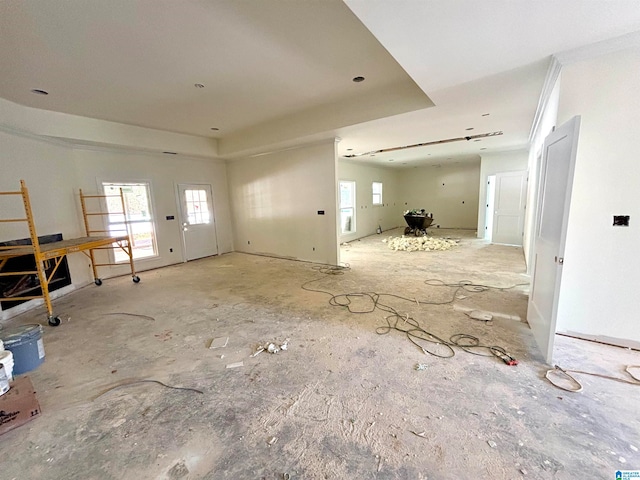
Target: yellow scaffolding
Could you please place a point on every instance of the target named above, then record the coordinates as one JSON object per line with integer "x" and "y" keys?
{"x": 56, "y": 251}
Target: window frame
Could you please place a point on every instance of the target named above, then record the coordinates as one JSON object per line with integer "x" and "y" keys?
{"x": 352, "y": 207}
{"x": 102, "y": 184}
{"x": 374, "y": 193}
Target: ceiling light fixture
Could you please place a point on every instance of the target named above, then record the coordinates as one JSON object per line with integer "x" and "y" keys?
{"x": 170, "y": 153}
{"x": 425, "y": 144}
{"x": 349, "y": 149}
{"x": 358, "y": 79}
{"x": 470, "y": 128}
{"x": 477, "y": 140}
{"x": 198, "y": 85}
{"x": 215, "y": 129}
{"x": 37, "y": 91}
{"x": 391, "y": 160}
{"x": 486, "y": 114}
{"x": 483, "y": 148}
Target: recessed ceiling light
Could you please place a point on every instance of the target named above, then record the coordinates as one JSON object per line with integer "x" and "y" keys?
{"x": 486, "y": 114}
{"x": 215, "y": 129}
{"x": 170, "y": 153}
{"x": 478, "y": 140}
{"x": 358, "y": 79}
{"x": 391, "y": 160}
{"x": 428, "y": 154}
{"x": 37, "y": 91}
{"x": 483, "y": 149}
{"x": 198, "y": 85}
{"x": 404, "y": 163}
{"x": 470, "y": 128}
{"x": 372, "y": 155}
{"x": 349, "y": 149}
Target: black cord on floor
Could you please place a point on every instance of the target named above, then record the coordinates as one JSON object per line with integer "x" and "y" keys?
{"x": 417, "y": 335}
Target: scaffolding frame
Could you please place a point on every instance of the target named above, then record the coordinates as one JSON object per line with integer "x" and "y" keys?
{"x": 57, "y": 251}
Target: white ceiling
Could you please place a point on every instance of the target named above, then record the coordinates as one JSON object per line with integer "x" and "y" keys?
{"x": 276, "y": 70}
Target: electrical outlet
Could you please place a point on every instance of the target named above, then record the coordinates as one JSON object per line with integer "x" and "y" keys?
{"x": 171, "y": 250}
{"x": 621, "y": 220}
{"x": 248, "y": 242}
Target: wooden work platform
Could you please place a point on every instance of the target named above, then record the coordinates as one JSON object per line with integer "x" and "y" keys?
{"x": 63, "y": 247}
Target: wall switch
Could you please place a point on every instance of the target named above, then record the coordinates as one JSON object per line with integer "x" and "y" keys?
{"x": 621, "y": 220}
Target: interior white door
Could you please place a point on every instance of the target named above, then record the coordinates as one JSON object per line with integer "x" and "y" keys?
{"x": 508, "y": 217}
{"x": 197, "y": 221}
{"x": 554, "y": 198}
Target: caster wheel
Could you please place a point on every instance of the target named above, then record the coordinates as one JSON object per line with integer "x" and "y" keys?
{"x": 407, "y": 231}
{"x": 54, "y": 321}
{"x": 136, "y": 279}
{"x": 417, "y": 233}
{"x": 98, "y": 281}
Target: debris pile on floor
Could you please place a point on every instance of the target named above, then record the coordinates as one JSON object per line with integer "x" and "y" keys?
{"x": 271, "y": 347}
{"x": 414, "y": 244}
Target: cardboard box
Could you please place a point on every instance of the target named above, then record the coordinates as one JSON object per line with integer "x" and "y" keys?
{"x": 19, "y": 405}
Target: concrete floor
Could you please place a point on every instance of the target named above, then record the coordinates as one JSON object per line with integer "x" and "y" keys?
{"x": 343, "y": 402}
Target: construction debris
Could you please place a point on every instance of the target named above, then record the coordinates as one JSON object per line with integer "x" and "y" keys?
{"x": 424, "y": 243}
{"x": 219, "y": 342}
{"x": 421, "y": 366}
{"x": 271, "y": 347}
{"x": 235, "y": 365}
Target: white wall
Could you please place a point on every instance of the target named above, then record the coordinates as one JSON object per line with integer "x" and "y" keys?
{"x": 163, "y": 172}
{"x": 55, "y": 170}
{"x": 442, "y": 190}
{"x": 548, "y": 119}
{"x": 369, "y": 216}
{"x": 275, "y": 199}
{"x": 490, "y": 164}
{"x": 599, "y": 289}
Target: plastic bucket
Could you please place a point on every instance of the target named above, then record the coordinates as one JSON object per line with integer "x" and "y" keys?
{"x": 6, "y": 359}
{"x": 4, "y": 380}
{"x": 25, "y": 343}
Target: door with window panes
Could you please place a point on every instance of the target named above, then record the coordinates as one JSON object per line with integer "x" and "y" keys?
{"x": 197, "y": 221}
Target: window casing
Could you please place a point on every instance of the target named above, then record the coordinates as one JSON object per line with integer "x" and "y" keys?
{"x": 136, "y": 220}
{"x": 377, "y": 193}
{"x": 347, "y": 207}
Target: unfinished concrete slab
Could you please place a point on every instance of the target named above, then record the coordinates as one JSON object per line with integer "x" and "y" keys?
{"x": 342, "y": 401}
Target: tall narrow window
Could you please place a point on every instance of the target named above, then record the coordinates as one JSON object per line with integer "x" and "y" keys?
{"x": 347, "y": 207}
{"x": 377, "y": 193}
{"x": 136, "y": 220}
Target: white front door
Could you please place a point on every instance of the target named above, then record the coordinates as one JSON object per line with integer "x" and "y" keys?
{"x": 554, "y": 198}
{"x": 197, "y": 221}
{"x": 508, "y": 217}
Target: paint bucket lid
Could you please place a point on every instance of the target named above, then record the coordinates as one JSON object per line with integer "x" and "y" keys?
{"x": 17, "y": 335}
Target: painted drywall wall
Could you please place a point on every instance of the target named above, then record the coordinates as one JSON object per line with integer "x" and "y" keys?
{"x": 490, "y": 164}
{"x": 548, "y": 119}
{"x": 598, "y": 296}
{"x": 48, "y": 170}
{"x": 163, "y": 172}
{"x": 275, "y": 201}
{"x": 449, "y": 191}
{"x": 369, "y": 216}
{"x": 54, "y": 171}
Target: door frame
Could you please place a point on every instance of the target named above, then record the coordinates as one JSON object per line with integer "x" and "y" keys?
{"x": 176, "y": 186}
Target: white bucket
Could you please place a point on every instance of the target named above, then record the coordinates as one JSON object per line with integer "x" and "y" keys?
{"x": 4, "y": 380}
{"x": 6, "y": 358}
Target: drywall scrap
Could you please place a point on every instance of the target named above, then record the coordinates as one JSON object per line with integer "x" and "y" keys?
{"x": 424, "y": 243}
